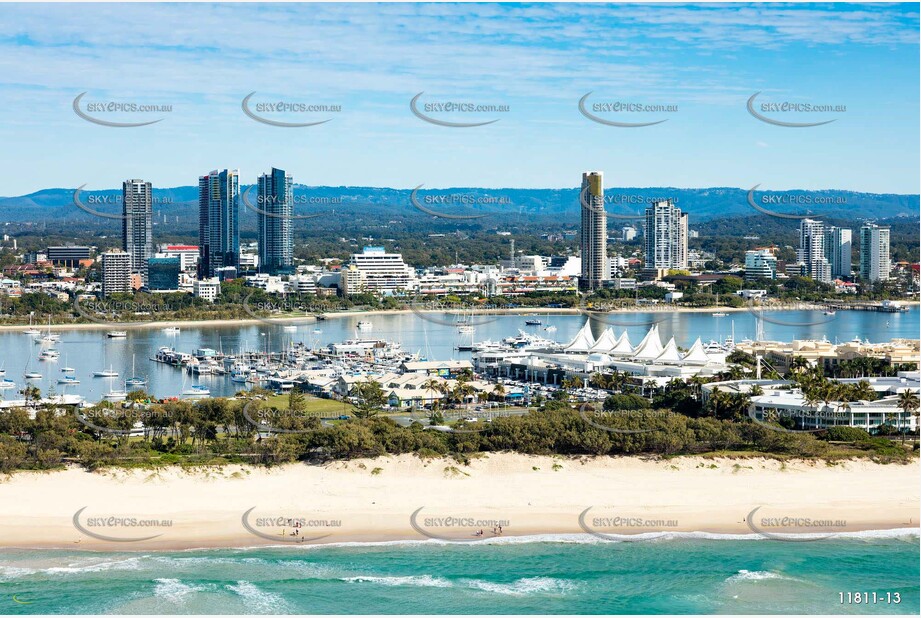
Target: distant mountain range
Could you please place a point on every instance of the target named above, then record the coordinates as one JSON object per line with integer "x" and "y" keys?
{"x": 179, "y": 204}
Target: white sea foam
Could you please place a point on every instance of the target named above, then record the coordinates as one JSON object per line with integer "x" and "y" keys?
{"x": 173, "y": 590}
{"x": 258, "y": 600}
{"x": 754, "y": 576}
{"x": 409, "y": 580}
{"x": 525, "y": 586}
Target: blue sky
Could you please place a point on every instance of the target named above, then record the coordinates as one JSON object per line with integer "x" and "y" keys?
{"x": 537, "y": 59}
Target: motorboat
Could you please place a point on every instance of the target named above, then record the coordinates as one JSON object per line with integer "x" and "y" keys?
{"x": 106, "y": 373}
{"x": 117, "y": 334}
{"x": 365, "y": 325}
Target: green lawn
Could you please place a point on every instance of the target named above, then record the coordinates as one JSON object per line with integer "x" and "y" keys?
{"x": 323, "y": 407}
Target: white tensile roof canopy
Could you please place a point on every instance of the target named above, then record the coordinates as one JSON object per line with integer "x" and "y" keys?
{"x": 605, "y": 342}
{"x": 650, "y": 347}
{"x": 696, "y": 354}
{"x": 583, "y": 341}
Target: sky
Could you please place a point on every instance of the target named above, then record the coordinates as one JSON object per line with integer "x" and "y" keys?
{"x": 539, "y": 60}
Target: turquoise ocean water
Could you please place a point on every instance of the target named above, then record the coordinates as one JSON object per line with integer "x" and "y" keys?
{"x": 536, "y": 576}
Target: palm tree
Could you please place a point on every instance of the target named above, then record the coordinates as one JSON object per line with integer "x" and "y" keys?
{"x": 431, "y": 386}
{"x": 908, "y": 401}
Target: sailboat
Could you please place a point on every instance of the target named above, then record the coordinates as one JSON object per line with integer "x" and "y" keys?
{"x": 31, "y": 330}
{"x": 114, "y": 395}
{"x": 31, "y": 375}
{"x": 49, "y": 337}
{"x": 135, "y": 380}
{"x": 68, "y": 379}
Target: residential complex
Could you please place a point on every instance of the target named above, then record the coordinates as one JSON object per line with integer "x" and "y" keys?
{"x": 760, "y": 264}
{"x": 811, "y": 252}
{"x": 666, "y": 236}
{"x": 273, "y": 222}
{"x": 594, "y": 237}
{"x": 137, "y": 226}
{"x": 838, "y": 251}
{"x": 116, "y": 272}
{"x": 218, "y": 221}
{"x": 874, "y": 252}
{"x": 375, "y": 270}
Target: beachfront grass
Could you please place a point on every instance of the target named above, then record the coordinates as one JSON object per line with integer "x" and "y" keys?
{"x": 313, "y": 405}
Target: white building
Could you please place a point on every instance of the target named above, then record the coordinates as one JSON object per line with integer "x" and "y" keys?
{"x": 207, "y": 289}
{"x": 187, "y": 254}
{"x": 377, "y": 271}
{"x": 666, "y": 236}
{"x": 838, "y": 251}
{"x": 811, "y": 250}
{"x": 874, "y": 252}
{"x": 760, "y": 264}
{"x": 116, "y": 272}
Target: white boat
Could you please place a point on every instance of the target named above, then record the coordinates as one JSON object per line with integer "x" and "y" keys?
{"x": 364, "y": 325}
{"x": 31, "y": 330}
{"x": 6, "y": 383}
{"x": 117, "y": 334}
{"x": 172, "y": 330}
{"x": 829, "y": 312}
{"x": 317, "y": 331}
{"x": 49, "y": 337}
{"x": 32, "y": 375}
{"x": 106, "y": 373}
{"x": 718, "y": 314}
{"x": 49, "y": 355}
{"x": 67, "y": 369}
{"x": 466, "y": 329}
{"x": 533, "y": 322}
{"x": 550, "y": 329}
{"x": 289, "y": 329}
{"x": 68, "y": 380}
{"x": 198, "y": 390}
{"x": 2, "y": 372}
{"x": 136, "y": 380}
{"x": 115, "y": 396}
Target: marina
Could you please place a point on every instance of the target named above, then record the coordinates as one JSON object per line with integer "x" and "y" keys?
{"x": 224, "y": 359}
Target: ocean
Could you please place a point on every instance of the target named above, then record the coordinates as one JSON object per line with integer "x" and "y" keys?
{"x": 682, "y": 574}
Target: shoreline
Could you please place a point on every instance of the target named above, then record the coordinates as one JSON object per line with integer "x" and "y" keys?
{"x": 282, "y": 321}
{"x": 403, "y": 499}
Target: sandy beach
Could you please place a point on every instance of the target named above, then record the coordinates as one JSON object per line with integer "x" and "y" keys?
{"x": 281, "y": 319}
{"x": 380, "y": 500}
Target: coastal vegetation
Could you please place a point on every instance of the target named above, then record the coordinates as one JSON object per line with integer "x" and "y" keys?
{"x": 258, "y": 428}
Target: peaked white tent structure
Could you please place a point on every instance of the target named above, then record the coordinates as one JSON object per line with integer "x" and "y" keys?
{"x": 670, "y": 354}
{"x": 623, "y": 347}
{"x": 650, "y": 347}
{"x": 605, "y": 343}
{"x": 583, "y": 341}
{"x": 696, "y": 355}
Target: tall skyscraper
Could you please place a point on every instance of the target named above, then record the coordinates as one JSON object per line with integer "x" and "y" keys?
{"x": 838, "y": 251}
{"x": 594, "y": 237}
{"x": 116, "y": 272}
{"x": 812, "y": 250}
{"x": 874, "y": 252}
{"x": 137, "y": 215}
{"x": 218, "y": 221}
{"x": 273, "y": 219}
{"x": 666, "y": 236}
